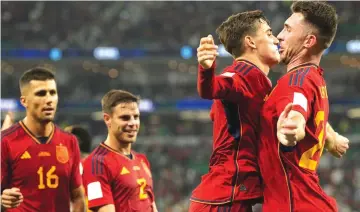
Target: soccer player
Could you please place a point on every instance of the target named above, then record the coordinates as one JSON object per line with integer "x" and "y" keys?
{"x": 233, "y": 182}
{"x": 40, "y": 162}
{"x": 295, "y": 115}
{"x": 84, "y": 138}
{"x": 117, "y": 178}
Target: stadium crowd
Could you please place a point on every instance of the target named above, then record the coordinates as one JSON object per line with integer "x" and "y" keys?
{"x": 129, "y": 24}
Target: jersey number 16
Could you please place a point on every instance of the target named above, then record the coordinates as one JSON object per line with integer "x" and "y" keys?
{"x": 52, "y": 180}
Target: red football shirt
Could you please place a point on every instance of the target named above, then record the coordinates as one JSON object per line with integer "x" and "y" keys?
{"x": 45, "y": 173}
{"x": 289, "y": 173}
{"x": 238, "y": 95}
{"x": 112, "y": 178}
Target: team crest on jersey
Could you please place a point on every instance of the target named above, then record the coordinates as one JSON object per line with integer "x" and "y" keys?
{"x": 62, "y": 154}
{"x": 146, "y": 168}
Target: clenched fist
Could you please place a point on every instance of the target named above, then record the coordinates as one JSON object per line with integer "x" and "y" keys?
{"x": 207, "y": 52}
{"x": 341, "y": 144}
{"x": 290, "y": 127}
{"x": 11, "y": 198}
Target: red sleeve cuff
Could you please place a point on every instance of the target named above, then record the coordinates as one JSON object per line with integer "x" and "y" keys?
{"x": 301, "y": 110}
{"x": 100, "y": 202}
{"x": 212, "y": 67}
{"x": 76, "y": 184}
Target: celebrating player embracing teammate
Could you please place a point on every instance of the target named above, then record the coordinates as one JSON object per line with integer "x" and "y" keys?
{"x": 233, "y": 182}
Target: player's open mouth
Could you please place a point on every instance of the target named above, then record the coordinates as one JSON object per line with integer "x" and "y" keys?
{"x": 48, "y": 109}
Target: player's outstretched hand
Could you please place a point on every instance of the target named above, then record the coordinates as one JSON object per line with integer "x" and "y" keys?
{"x": 287, "y": 129}
{"x": 341, "y": 144}
{"x": 11, "y": 198}
{"x": 207, "y": 52}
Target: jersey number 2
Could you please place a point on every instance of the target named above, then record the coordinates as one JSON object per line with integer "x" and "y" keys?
{"x": 52, "y": 180}
{"x": 142, "y": 183}
{"x": 306, "y": 160}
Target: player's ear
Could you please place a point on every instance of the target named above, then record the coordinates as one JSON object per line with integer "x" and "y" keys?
{"x": 23, "y": 101}
{"x": 249, "y": 41}
{"x": 107, "y": 119}
{"x": 310, "y": 41}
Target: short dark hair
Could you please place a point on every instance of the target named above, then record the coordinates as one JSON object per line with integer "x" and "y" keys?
{"x": 115, "y": 97}
{"x": 322, "y": 16}
{"x": 83, "y": 136}
{"x": 37, "y": 73}
{"x": 232, "y": 31}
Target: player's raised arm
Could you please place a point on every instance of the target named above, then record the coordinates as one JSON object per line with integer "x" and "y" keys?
{"x": 207, "y": 52}
{"x": 226, "y": 86}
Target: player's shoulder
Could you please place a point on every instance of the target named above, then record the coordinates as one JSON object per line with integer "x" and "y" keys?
{"x": 98, "y": 155}
{"x": 140, "y": 156}
{"x": 301, "y": 75}
{"x": 63, "y": 133}
{"x": 99, "y": 160}
{"x": 13, "y": 133}
{"x": 64, "y": 136}
{"x": 244, "y": 68}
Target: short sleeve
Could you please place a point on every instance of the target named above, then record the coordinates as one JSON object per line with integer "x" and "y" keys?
{"x": 97, "y": 182}
{"x": 300, "y": 95}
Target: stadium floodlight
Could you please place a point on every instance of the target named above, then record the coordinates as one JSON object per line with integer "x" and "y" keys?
{"x": 186, "y": 52}
{"x": 106, "y": 53}
{"x": 55, "y": 54}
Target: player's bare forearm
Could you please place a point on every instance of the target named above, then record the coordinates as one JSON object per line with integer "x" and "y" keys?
{"x": 335, "y": 144}
{"x": 154, "y": 207}
{"x": 78, "y": 200}
{"x": 330, "y": 137}
{"x": 105, "y": 208}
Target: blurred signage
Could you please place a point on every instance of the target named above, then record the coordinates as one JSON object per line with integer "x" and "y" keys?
{"x": 145, "y": 105}
{"x": 8, "y": 104}
{"x": 106, "y": 53}
{"x": 353, "y": 46}
{"x": 114, "y": 53}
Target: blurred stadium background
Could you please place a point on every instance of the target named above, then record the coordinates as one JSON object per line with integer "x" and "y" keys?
{"x": 149, "y": 48}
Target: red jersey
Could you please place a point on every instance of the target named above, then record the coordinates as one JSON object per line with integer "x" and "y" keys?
{"x": 45, "y": 173}
{"x": 112, "y": 178}
{"x": 289, "y": 173}
{"x": 238, "y": 95}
